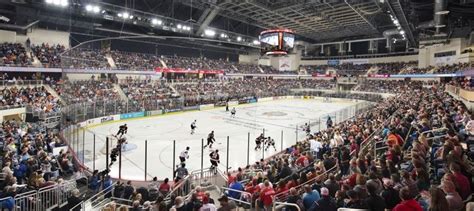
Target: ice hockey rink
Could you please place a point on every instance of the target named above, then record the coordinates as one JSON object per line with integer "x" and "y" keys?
{"x": 279, "y": 119}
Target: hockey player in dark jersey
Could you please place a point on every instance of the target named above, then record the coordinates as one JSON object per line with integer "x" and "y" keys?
{"x": 122, "y": 130}
{"x": 193, "y": 127}
{"x": 214, "y": 158}
{"x": 210, "y": 140}
{"x": 259, "y": 141}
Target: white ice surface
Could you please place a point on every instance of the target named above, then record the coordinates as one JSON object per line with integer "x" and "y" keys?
{"x": 160, "y": 131}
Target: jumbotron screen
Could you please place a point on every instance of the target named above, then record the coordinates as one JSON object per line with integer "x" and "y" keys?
{"x": 277, "y": 41}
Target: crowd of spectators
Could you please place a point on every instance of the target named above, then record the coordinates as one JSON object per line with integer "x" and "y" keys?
{"x": 395, "y": 67}
{"x": 91, "y": 90}
{"x": 147, "y": 94}
{"x": 48, "y": 55}
{"x": 81, "y": 58}
{"x": 419, "y": 170}
{"x": 28, "y": 162}
{"x": 208, "y": 92}
{"x": 14, "y": 54}
{"x": 386, "y": 86}
{"x": 37, "y": 97}
{"x": 135, "y": 61}
{"x": 454, "y": 68}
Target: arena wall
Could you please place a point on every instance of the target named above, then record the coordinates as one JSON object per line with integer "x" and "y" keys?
{"x": 37, "y": 36}
{"x": 248, "y": 59}
{"x": 7, "y": 36}
{"x": 427, "y": 57}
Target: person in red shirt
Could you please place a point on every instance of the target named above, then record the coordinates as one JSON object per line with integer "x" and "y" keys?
{"x": 281, "y": 187}
{"x": 293, "y": 182}
{"x": 302, "y": 160}
{"x": 199, "y": 193}
{"x": 266, "y": 196}
{"x": 461, "y": 180}
{"x": 408, "y": 203}
{"x": 230, "y": 178}
{"x": 164, "y": 187}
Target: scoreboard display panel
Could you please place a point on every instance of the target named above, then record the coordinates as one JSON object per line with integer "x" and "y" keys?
{"x": 276, "y": 42}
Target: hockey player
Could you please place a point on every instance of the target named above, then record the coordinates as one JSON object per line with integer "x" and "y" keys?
{"x": 184, "y": 155}
{"x": 214, "y": 158}
{"x": 307, "y": 129}
{"x": 269, "y": 142}
{"x": 122, "y": 130}
{"x": 232, "y": 113}
{"x": 329, "y": 122}
{"x": 210, "y": 140}
{"x": 193, "y": 127}
{"x": 227, "y": 106}
{"x": 259, "y": 141}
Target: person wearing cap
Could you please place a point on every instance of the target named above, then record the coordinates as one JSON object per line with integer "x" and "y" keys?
{"x": 226, "y": 205}
{"x": 325, "y": 203}
{"x": 206, "y": 206}
{"x": 389, "y": 194}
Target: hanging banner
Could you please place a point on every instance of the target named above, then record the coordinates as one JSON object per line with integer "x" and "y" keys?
{"x": 284, "y": 64}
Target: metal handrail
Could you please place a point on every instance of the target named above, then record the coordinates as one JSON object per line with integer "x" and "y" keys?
{"x": 95, "y": 197}
{"x": 242, "y": 193}
{"x": 275, "y": 203}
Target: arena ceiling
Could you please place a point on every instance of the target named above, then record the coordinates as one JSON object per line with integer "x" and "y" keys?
{"x": 314, "y": 21}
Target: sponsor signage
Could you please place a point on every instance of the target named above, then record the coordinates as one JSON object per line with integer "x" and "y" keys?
{"x": 187, "y": 71}
{"x": 206, "y": 107}
{"x": 333, "y": 62}
{"x": 132, "y": 115}
{"x": 320, "y": 75}
{"x": 378, "y": 75}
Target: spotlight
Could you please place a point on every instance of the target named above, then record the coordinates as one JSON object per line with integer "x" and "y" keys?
{"x": 209, "y": 32}
{"x": 131, "y": 16}
{"x": 402, "y": 32}
{"x": 256, "y": 42}
{"x": 96, "y": 9}
{"x": 120, "y": 14}
{"x": 57, "y": 2}
{"x": 155, "y": 21}
{"x": 49, "y": 1}
{"x": 223, "y": 35}
{"x": 64, "y": 3}
{"x": 239, "y": 38}
{"x": 125, "y": 15}
{"x": 179, "y": 26}
{"x": 396, "y": 22}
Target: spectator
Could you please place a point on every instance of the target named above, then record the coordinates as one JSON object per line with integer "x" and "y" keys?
{"x": 461, "y": 180}
{"x": 310, "y": 197}
{"x": 266, "y": 196}
{"x": 325, "y": 203}
{"x": 374, "y": 201}
{"x": 408, "y": 203}
{"x": 236, "y": 185}
{"x": 74, "y": 200}
{"x": 226, "y": 205}
{"x": 453, "y": 198}
{"x": 206, "y": 206}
